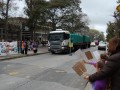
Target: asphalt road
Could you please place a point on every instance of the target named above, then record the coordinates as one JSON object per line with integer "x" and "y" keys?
{"x": 42, "y": 72}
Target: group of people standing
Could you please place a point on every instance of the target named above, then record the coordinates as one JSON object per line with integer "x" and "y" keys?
{"x": 107, "y": 75}
{"x": 28, "y": 45}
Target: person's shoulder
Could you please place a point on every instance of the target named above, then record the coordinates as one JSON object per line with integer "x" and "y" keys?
{"x": 115, "y": 56}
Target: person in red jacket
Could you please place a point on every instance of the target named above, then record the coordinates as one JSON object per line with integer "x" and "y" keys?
{"x": 23, "y": 47}
{"x": 111, "y": 68}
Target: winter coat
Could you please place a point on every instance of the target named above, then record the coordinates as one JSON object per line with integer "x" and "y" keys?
{"x": 111, "y": 69}
{"x": 26, "y": 45}
{"x": 23, "y": 45}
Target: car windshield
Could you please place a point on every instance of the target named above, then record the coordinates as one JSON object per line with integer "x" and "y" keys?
{"x": 102, "y": 44}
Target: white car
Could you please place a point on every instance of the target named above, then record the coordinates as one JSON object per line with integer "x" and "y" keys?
{"x": 102, "y": 46}
{"x": 93, "y": 44}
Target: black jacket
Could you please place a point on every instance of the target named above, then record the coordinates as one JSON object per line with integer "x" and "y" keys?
{"x": 111, "y": 69}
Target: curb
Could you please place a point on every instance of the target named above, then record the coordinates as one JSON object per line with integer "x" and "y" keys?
{"x": 21, "y": 56}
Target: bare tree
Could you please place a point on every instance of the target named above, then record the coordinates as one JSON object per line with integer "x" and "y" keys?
{"x": 5, "y": 7}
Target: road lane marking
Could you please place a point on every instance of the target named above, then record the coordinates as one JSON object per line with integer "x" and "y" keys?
{"x": 27, "y": 77}
{"x": 13, "y": 73}
{"x": 60, "y": 71}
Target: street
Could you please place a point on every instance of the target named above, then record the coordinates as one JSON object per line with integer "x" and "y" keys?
{"x": 42, "y": 72}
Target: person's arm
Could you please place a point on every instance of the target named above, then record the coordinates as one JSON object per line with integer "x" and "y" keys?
{"x": 90, "y": 62}
{"x": 110, "y": 67}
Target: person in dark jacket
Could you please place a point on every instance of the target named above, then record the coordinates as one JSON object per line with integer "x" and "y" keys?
{"x": 26, "y": 47}
{"x": 112, "y": 67}
{"x": 35, "y": 45}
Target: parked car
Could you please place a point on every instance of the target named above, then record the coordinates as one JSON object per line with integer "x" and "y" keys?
{"x": 102, "y": 46}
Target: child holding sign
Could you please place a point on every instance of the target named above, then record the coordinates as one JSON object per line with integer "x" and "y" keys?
{"x": 103, "y": 58}
{"x": 99, "y": 84}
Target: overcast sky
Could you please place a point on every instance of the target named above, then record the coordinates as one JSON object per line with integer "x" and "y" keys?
{"x": 99, "y": 12}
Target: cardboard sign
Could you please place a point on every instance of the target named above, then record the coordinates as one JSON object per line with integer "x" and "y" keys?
{"x": 79, "y": 68}
{"x": 96, "y": 54}
{"x": 88, "y": 55}
{"x": 79, "y": 54}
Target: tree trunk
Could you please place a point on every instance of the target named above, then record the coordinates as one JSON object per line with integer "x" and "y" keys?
{"x": 6, "y": 23}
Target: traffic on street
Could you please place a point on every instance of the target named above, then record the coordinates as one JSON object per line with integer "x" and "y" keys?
{"x": 59, "y": 45}
{"x": 42, "y": 72}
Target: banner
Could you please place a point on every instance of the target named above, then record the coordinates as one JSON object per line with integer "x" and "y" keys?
{"x": 8, "y": 48}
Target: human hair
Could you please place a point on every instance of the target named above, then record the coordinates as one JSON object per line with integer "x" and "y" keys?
{"x": 103, "y": 57}
{"x": 114, "y": 44}
{"x": 100, "y": 64}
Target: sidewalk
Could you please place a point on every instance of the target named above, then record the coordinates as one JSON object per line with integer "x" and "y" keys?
{"x": 41, "y": 50}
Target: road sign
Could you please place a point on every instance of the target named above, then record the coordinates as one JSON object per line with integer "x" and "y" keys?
{"x": 118, "y": 8}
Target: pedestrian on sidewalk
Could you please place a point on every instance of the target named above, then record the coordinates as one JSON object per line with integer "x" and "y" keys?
{"x": 26, "y": 47}
{"x": 112, "y": 67}
{"x": 23, "y": 47}
{"x": 35, "y": 46}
